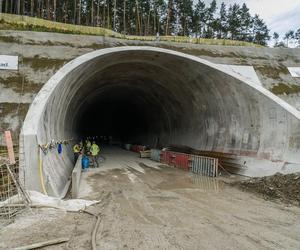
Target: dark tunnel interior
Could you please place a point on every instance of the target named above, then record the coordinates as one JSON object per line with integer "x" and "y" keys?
{"x": 125, "y": 113}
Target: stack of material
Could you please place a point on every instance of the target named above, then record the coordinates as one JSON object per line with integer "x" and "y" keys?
{"x": 145, "y": 154}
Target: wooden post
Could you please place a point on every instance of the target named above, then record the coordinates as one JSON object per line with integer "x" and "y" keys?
{"x": 10, "y": 147}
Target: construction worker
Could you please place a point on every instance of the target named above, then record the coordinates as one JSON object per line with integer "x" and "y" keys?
{"x": 88, "y": 145}
{"x": 76, "y": 150}
{"x": 94, "y": 152}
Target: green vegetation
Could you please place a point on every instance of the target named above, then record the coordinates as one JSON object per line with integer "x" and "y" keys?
{"x": 15, "y": 22}
{"x": 272, "y": 71}
{"x": 8, "y": 21}
{"x": 187, "y": 18}
{"x": 40, "y": 63}
{"x": 15, "y": 83}
{"x": 287, "y": 89}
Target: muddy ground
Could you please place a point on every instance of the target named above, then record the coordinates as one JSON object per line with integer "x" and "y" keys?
{"x": 148, "y": 206}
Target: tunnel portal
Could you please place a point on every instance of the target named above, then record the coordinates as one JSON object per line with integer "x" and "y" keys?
{"x": 154, "y": 97}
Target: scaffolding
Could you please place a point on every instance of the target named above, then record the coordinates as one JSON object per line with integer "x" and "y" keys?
{"x": 13, "y": 198}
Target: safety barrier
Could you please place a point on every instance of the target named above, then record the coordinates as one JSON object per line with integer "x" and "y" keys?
{"x": 202, "y": 165}
{"x": 166, "y": 157}
{"x": 155, "y": 155}
{"x": 138, "y": 148}
{"x": 180, "y": 160}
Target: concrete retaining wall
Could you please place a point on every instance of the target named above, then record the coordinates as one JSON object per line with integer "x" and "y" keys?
{"x": 76, "y": 176}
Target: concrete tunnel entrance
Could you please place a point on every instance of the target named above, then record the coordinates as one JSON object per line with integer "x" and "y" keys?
{"x": 131, "y": 106}
{"x": 153, "y": 96}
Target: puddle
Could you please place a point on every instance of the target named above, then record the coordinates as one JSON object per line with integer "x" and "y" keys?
{"x": 162, "y": 198}
{"x": 192, "y": 181}
{"x": 207, "y": 183}
{"x": 152, "y": 167}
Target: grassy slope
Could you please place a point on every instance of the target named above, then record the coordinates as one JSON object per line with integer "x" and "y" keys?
{"x": 9, "y": 21}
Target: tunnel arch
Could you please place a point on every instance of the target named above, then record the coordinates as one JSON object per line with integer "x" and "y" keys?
{"x": 154, "y": 94}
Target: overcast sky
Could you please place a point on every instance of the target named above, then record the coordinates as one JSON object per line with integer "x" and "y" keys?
{"x": 279, "y": 15}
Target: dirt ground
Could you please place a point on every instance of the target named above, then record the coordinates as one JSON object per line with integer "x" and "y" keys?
{"x": 148, "y": 206}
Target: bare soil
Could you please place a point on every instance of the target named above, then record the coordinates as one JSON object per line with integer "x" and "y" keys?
{"x": 148, "y": 206}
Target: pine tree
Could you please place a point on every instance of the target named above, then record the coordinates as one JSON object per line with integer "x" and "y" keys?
{"x": 297, "y": 36}
{"x": 288, "y": 36}
{"x": 199, "y": 18}
{"x": 246, "y": 23}
{"x": 222, "y": 22}
{"x": 184, "y": 16}
{"x": 160, "y": 10}
{"x": 276, "y": 38}
{"x": 211, "y": 24}
{"x": 171, "y": 18}
{"x": 260, "y": 31}
{"x": 234, "y": 20}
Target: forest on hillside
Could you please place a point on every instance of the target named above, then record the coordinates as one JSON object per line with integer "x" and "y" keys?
{"x": 150, "y": 17}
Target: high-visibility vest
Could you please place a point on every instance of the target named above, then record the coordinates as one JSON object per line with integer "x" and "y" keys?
{"x": 88, "y": 144}
{"x": 94, "y": 149}
{"x": 76, "y": 148}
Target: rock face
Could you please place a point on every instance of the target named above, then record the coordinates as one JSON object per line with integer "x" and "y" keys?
{"x": 42, "y": 54}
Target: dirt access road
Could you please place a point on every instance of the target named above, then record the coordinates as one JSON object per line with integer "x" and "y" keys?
{"x": 147, "y": 206}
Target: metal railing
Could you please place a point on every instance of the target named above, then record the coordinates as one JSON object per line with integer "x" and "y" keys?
{"x": 202, "y": 165}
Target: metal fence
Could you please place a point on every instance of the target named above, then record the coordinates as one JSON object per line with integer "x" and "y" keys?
{"x": 8, "y": 193}
{"x": 13, "y": 197}
{"x": 202, "y": 165}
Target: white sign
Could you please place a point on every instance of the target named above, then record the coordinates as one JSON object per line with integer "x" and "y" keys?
{"x": 294, "y": 71}
{"x": 9, "y": 62}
